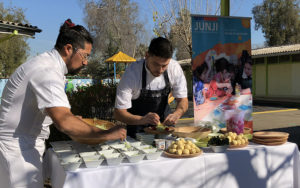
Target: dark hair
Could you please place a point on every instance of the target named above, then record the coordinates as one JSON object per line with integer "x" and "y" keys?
{"x": 76, "y": 35}
{"x": 249, "y": 60}
{"x": 199, "y": 70}
{"x": 221, "y": 64}
{"x": 161, "y": 47}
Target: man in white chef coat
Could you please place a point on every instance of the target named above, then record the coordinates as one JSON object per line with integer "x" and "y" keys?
{"x": 142, "y": 94}
{"x": 33, "y": 98}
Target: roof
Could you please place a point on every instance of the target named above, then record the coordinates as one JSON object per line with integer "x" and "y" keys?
{"x": 275, "y": 51}
{"x": 121, "y": 57}
{"x": 23, "y": 29}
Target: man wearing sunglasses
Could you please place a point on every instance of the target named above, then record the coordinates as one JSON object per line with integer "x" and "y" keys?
{"x": 34, "y": 98}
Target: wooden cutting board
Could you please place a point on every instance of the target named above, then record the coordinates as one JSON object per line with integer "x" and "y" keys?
{"x": 270, "y": 134}
{"x": 151, "y": 131}
{"x": 268, "y": 143}
{"x": 268, "y": 140}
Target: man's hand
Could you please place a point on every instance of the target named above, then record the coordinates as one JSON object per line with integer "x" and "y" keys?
{"x": 117, "y": 132}
{"x": 171, "y": 119}
{"x": 150, "y": 118}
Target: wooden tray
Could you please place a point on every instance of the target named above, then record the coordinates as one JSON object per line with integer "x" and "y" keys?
{"x": 151, "y": 131}
{"x": 270, "y": 134}
{"x": 93, "y": 122}
{"x": 238, "y": 146}
{"x": 268, "y": 143}
{"x": 268, "y": 140}
{"x": 196, "y": 132}
{"x": 182, "y": 156}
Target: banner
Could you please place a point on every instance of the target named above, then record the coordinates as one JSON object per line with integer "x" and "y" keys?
{"x": 222, "y": 72}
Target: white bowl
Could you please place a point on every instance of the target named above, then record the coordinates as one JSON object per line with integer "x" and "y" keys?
{"x": 86, "y": 154}
{"x": 151, "y": 150}
{"x": 92, "y": 161}
{"x": 141, "y": 147}
{"x": 109, "y": 151}
{"x": 69, "y": 158}
{"x": 111, "y": 155}
{"x": 219, "y": 149}
{"x": 118, "y": 146}
{"x": 104, "y": 147}
{"x": 114, "y": 161}
{"x": 152, "y": 154}
{"x": 65, "y": 154}
{"x": 134, "y": 156}
{"x": 135, "y": 144}
{"x": 71, "y": 166}
{"x": 57, "y": 149}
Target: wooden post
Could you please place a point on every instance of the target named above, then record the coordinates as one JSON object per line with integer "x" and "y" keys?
{"x": 225, "y": 7}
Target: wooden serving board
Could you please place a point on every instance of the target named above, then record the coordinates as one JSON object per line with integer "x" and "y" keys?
{"x": 238, "y": 146}
{"x": 268, "y": 140}
{"x": 171, "y": 155}
{"x": 151, "y": 131}
{"x": 268, "y": 143}
{"x": 270, "y": 134}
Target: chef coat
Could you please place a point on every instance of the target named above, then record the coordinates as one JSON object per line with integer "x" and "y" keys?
{"x": 35, "y": 85}
{"x": 131, "y": 83}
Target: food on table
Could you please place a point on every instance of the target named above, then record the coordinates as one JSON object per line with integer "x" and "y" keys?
{"x": 220, "y": 140}
{"x": 235, "y": 139}
{"x": 183, "y": 147}
{"x": 202, "y": 142}
{"x": 103, "y": 127}
{"x": 160, "y": 127}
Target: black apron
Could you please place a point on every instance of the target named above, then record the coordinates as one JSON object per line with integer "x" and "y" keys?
{"x": 150, "y": 101}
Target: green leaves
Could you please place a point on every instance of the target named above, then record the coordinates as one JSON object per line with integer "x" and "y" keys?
{"x": 279, "y": 21}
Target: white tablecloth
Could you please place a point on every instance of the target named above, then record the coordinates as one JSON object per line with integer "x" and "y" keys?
{"x": 254, "y": 166}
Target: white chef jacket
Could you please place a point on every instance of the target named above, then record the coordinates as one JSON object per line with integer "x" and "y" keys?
{"x": 131, "y": 83}
{"x": 35, "y": 85}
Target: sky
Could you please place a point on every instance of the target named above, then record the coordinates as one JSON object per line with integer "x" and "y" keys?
{"x": 48, "y": 15}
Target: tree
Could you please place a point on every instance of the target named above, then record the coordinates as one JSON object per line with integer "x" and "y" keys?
{"x": 14, "y": 51}
{"x": 172, "y": 20}
{"x": 114, "y": 22}
{"x": 115, "y": 27}
{"x": 279, "y": 21}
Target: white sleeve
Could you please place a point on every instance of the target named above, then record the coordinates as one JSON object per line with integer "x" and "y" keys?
{"x": 178, "y": 81}
{"x": 48, "y": 87}
{"x": 125, "y": 90}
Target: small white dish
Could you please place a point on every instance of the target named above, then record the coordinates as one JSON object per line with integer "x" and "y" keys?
{"x": 86, "y": 154}
{"x": 136, "y": 143}
{"x": 114, "y": 160}
{"x": 104, "y": 147}
{"x": 134, "y": 156}
{"x": 109, "y": 151}
{"x": 153, "y": 155}
{"x": 118, "y": 146}
{"x": 146, "y": 146}
{"x": 65, "y": 153}
{"x": 57, "y": 149}
{"x": 69, "y": 158}
{"x": 219, "y": 149}
{"x": 111, "y": 155}
{"x": 71, "y": 166}
{"x": 92, "y": 161}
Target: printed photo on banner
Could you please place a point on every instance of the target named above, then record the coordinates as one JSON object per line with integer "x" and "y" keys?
{"x": 222, "y": 72}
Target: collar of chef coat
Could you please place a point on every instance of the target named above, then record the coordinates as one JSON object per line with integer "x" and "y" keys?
{"x": 61, "y": 62}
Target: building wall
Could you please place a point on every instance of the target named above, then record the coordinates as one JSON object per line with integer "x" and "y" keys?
{"x": 296, "y": 79}
{"x": 260, "y": 80}
{"x": 277, "y": 78}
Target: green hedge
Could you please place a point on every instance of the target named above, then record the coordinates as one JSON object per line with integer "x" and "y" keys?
{"x": 89, "y": 102}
